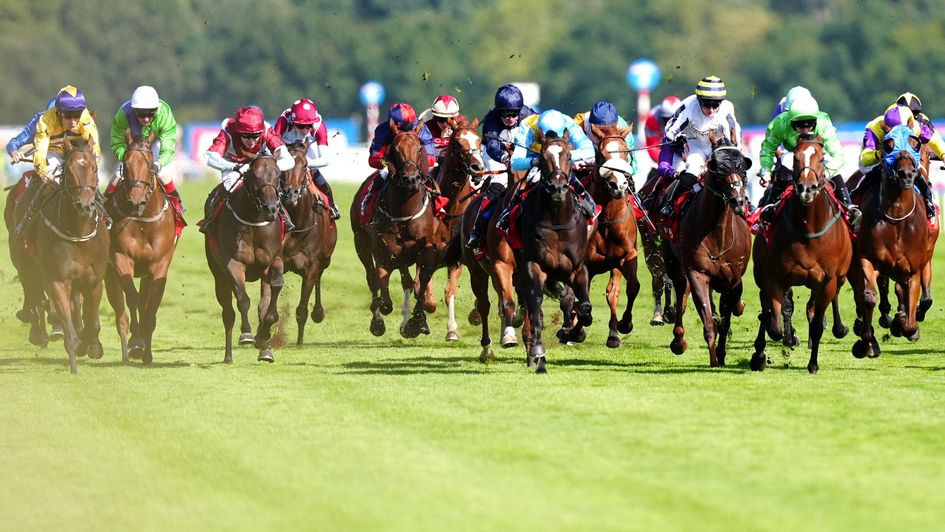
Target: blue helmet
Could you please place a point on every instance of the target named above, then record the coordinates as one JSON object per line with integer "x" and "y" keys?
{"x": 509, "y": 98}
{"x": 552, "y": 120}
{"x": 603, "y": 114}
{"x": 70, "y": 99}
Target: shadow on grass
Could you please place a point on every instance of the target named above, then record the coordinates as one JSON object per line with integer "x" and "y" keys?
{"x": 414, "y": 366}
{"x": 84, "y": 362}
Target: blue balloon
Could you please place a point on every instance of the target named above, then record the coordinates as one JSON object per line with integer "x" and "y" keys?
{"x": 643, "y": 75}
{"x": 372, "y": 93}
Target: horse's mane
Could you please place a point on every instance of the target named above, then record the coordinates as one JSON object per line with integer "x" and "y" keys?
{"x": 809, "y": 137}
{"x": 551, "y": 135}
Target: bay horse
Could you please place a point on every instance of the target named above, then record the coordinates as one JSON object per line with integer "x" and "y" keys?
{"x": 71, "y": 252}
{"x": 307, "y": 249}
{"x": 613, "y": 247}
{"x": 143, "y": 240}
{"x": 806, "y": 247}
{"x": 893, "y": 241}
{"x": 244, "y": 244}
{"x": 652, "y": 243}
{"x": 713, "y": 248}
{"x": 402, "y": 233}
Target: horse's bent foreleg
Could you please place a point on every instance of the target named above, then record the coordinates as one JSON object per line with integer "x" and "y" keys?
{"x": 613, "y": 299}
{"x": 629, "y": 269}
{"x": 382, "y": 275}
{"x": 863, "y": 281}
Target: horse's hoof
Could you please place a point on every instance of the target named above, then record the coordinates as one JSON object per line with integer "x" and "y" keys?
{"x": 813, "y": 369}
{"x": 613, "y": 341}
{"x": 858, "y": 327}
{"x": 914, "y": 337}
{"x": 579, "y": 336}
{"x": 452, "y": 336}
{"x": 147, "y": 357}
{"x": 95, "y": 350}
{"x": 377, "y": 327}
{"x": 386, "y": 306}
{"x": 410, "y": 329}
{"x": 791, "y": 342}
{"x": 562, "y": 335}
{"x": 860, "y": 349}
{"x": 758, "y": 362}
{"x": 884, "y": 321}
{"x": 266, "y": 355}
{"x": 247, "y": 339}
{"x": 518, "y": 318}
{"x": 657, "y": 319}
{"x": 669, "y": 315}
{"x": 56, "y": 334}
{"x": 318, "y": 314}
{"x": 429, "y": 307}
{"x": 487, "y": 356}
{"x": 840, "y": 331}
{"x": 678, "y": 347}
{"x": 509, "y": 341}
{"x": 474, "y": 318}
{"x": 896, "y": 328}
{"x": 38, "y": 336}
{"x": 82, "y": 349}
{"x": 874, "y": 350}
{"x": 424, "y": 328}
{"x": 924, "y": 306}
{"x": 540, "y": 368}
{"x": 23, "y": 315}
{"x": 625, "y": 326}
{"x": 739, "y": 308}
{"x": 135, "y": 352}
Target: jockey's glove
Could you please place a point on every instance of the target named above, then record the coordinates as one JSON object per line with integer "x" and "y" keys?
{"x": 241, "y": 168}
{"x": 535, "y": 162}
{"x": 155, "y": 167}
{"x": 764, "y": 178}
{"x": 17, "y": 156}
{"x": 679, "y": 141}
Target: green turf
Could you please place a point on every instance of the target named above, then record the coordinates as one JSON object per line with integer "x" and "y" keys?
{"x": 357, "y": 432}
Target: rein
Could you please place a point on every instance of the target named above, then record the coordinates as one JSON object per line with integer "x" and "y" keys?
{"x": 423, "y": 207}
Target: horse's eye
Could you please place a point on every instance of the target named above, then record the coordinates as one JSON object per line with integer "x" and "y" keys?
{"x": 915, "y": 143}
{"x": 888, "y": 147}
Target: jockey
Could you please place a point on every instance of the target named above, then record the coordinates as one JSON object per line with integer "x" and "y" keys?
{"x": 804, "y": 117}
{"x": 794, "y": 93}
{"x": 302, "y": 123}
{"x": 498, "y": 132}
{"x": 241, "y": 138}
{"x": 655, "y": 126}
{"x": 404, "y": 118}
{"x": 143, "y": 115}
{"x": 14, "y": 147}
{"x": 525, "y": 157}
{"x": 604, "y": 113}
{"x": 687, "y": 146}
{"x": 437, "y": 121}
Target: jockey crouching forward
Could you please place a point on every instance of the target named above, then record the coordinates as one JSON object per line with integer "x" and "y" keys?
{"x": 302, "y": 123}
{"x": 436, "y": 119}
{"x": 17, "y": 147}
{"x": 241, "y": 138}
{"x": 604, "y": 113}
{"x": 687, "y": 146}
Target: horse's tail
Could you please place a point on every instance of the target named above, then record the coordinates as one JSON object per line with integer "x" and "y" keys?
{"x": 454, "y": 252}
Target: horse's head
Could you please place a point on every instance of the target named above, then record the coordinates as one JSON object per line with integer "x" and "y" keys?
{"x": 262, "y": 184}
{"x": 555, "y": 164}
{"x": 466, "y": 148}
{"x": 408, "y": 159}
{"x": 809, "y": 171}
{"x": 901, "y": 156}
{"x": 138, "y": 181}
{"x": 294, "y": 181}
{"x": 726, "y": 171}
{"x": 613, "y": 158}
{"x": 80, "y": 176}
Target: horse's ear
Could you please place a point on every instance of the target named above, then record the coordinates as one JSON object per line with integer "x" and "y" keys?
{"x": 713, "y": 140}
{"x": 475, "y": 123}
{"x": 453, "y": 123}
{"x": 393, "y": 126}
{"x": 540, "y": 136}
{"x": 127, "y": 135}
{"x": 747, "y": 162}
{"x": 734, "y": 140}
{"x": 596, "y": 130}
{"x": 567, "y": 134}
{"x": 418, "y": 128}
{"x": 626, "y": 131}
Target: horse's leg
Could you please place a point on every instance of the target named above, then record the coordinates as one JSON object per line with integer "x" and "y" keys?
{"x": 585, "y": 315}
{"x": 502, "y": 284}
{"x": 77, "y": 320}
{"x": 681, "y": 288}
{"x": 362, "y": 245}
{"x": 629, "y": 269}
{"x": 318, "y": 310}
{"x": 305, "y": 293}
{"x": 839, "y": 329}
{"x": 152, "y": 293}
{"x": 925, "y": 300}
{"x": 613, "y": 299}
{"x": 417, "y": 323}
{"x": 91, "y": 325}
{"x": 116, "y": 297}
{"x": 821, "y": 297}
{"x": 534, "y": 297}
{"x": 58, "y": 292}
{"x": 429, "y": 300}
{"x": 789, "y": 338}
{"x": 125, "y": 268}
{"x": 223, "y": 288}
{"x": 654, "y": 263}
{"x": 727, "y": 303}
{"x": 33, "y": 295}
{"x": 479, "y": 282}
{"x": 237, "y": 271}
{"x": 759, "y": 360}
{"x": 408, "y": 284}
{"x": 669, "y": 309}
{"x": 905, "y": 320}
{"x": 449, "y": 296}
{"x": 382, "y": 276}
{"x": 863, "y": 282}
{"x": 882, "y": 286}
{"x": 702, "y": 300}
{"x": 274, "y": 281}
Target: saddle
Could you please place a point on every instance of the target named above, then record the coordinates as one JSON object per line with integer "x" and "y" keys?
{"x": 367, "y": 216}
{"x": 760, "y": 226}
{"x": 514, "y": 234}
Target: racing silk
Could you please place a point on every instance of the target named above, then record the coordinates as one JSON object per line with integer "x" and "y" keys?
{"x": 29, "y": 131}
{"x": 164, "y": 127}
{"x": 441, "y": 135}
{"x": 653, "y": 132}
{"x": 527, "y": 145}
{"x": 50, "y": 133}
{"x": 227, "y": 152}
{"x": 383, "y": 136}
{"x": 780, "y": 133}
{"x": 582, "y": 119}
{"x": 780, "y": 108}
{"x": 497, "y": 135}
{"x": 871, "y": 154}
{"x": 691, "y": 122}
{"x": 317, "y": 137}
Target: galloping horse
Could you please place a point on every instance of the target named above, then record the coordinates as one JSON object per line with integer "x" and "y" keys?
{"x": 613, "y": 248}
{"x": 244, "y": 244}
{"x": 402, "y": 233}
{"x": 143, "y": 239}
{"x": 893, "y": 242}
{"x": 807, "y": 247}
{"x": 307, "y": 249}
{"x": 652, "y": 242}
{"x": 555, "y": 235}
{"x": 713, "y": 249}
{"x": 71, "y": 246}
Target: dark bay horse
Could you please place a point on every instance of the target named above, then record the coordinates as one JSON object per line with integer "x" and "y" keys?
{"x": 713, "y": 249}
{"x": 71, "y": 253}
{"x": 143, "y": 240}
{"x": 807, "y": 247}
{"x": 613, "y": 247}
{"x": 652, "y": 243}
{"x": 893, "y": 242}
{"x": 244, "y": 244}
{"x": 307, "y": 249}
{"x": 402, "y": 233}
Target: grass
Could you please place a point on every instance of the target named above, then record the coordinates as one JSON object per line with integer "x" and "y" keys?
{"x": 356, "y": 432}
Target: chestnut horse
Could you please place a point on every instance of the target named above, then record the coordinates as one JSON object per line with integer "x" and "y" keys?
{"x": 807, "y": 247}
{"x": 307, "y": 249}
{"x": 713, "y": 249}
{"x": 71, "y": 245}
{"x": 143, "y": 240}
{"x": 613, "y": 247}
{"x": 244, "y": 244}
{"x": 893, "y": 242}
{"x": 402, "y": 233}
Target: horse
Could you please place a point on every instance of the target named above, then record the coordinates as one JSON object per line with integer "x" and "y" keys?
{"x": 806, "y": 247}
{"x": 555, "y": 237}
{"x": 613, "y": 247}
{"x": 71, "y": 253}
{"x": 713, "y": 248}
{"x": 307, "y": 249}
{"x": 245, "y": 244}
{"x": 651, "y": 240}
{"x": 402, "y": 233}
{"x": 143, "y": 240}
{"x": 893, "y": 242}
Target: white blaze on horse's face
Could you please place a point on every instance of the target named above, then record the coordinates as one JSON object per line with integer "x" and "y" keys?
{"x": 808, "y": 153}
{"x": 555, "y": 151}
{"x": 615, "y": 164}
{"x": 475, "y": 146}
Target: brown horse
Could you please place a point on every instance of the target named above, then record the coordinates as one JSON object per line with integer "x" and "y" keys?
{"x": 807, "y": 247}
{"x": 307, "y": 249}
{"x": 71, "y": 252}
{"x": 244, "y": 244}
{"x": 713, "y": 249}
{"x": 613, "y": 247}
{"x": 402, "y": 233}
{"x": 652, "y": 242}
{"x": 893, "y": 242}
{"x": 143, "y": 240}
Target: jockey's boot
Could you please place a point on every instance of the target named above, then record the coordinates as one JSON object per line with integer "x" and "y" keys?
{"x": 930, "y": 207}
{"x": 669, "y": 199}
{"x": 211, "y": 207}
{"x": 475, "y": 236}
{"x": 584, "y": 199}
{"x": 333, "y": 211}
{"x": 505, "y": 218}
{"x": 286, "y": 219}
{"x": 110, "y": 191}
{"x": 39, "y": 197}
{"x": 376, "y": 186}
{"x": 853, "y": 212}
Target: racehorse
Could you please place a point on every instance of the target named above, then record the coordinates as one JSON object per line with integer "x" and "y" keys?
{"x": 71, "y": 252}
{"x": 555, "y": 235}
{"x": 402, "y": 233}
{"x": 613, "y": 247}
{"x": 143, "y": 240}
{"x": 244, "y": 244}
{"x": 713, "y": 248}
{"x": 806, "y": 247}
{"x": 660, "y": 283}
{"x": 893, "y": 241}
{"x": 307, "y": 249}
